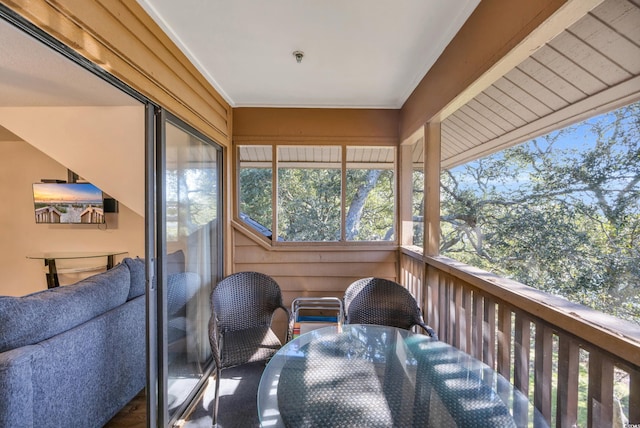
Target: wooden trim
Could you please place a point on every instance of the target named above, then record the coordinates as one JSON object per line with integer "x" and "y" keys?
{"x": 414, "y": 138}
{"x": 404, "y": 192}
{"x": 274, "y": 193}
{"x": 287, "y": 124}
{"x": 432, "y": 189}
{"x": 229, "y": 198}
{"x": 313, "y": 140}
{"x": 260, "y": 240}
{"x": 344, "y": 166}
{"x": 343, "y": 194}
{"x": 318, "y": 247}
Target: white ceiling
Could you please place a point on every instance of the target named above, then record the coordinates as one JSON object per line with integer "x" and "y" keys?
{"x": 357, "y": 53}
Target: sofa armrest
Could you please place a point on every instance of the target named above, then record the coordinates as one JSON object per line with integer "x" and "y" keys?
{"x": 16, "y": 386}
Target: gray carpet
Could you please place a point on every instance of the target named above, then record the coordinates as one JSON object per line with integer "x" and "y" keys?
{"x": 238, "y": 406}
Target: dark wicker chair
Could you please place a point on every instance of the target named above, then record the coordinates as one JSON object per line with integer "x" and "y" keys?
{"x": 181, "y": 288}
{"x": 383, "y": 302}
{"x": 242, "y": 307}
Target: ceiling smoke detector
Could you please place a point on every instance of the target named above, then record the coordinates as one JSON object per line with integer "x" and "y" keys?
{"x": 298, "y": 55}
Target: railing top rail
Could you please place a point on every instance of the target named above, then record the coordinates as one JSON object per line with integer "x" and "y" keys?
{"x": 602, "y": 330}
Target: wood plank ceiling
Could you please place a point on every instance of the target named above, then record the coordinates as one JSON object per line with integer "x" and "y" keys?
{"x": 591, "y": 67}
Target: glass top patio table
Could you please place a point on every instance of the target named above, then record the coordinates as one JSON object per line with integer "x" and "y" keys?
{"x": 376, "y": 376}
{"x": 53, "y": 271}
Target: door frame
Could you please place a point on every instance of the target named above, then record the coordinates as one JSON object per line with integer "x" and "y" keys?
{"x": 155, "y": 269}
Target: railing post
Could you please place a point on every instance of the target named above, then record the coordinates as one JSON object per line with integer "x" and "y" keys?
{"x": 521, "y": 350}
{"x": 542, "y": 371}
{"x": 503, "y": 359}
{"x": 459, "y": 319}
{"x": 444, "y": 308}
{"x": 451, "y": 309}
{"x": 600, "y": 392}
{"x": 478, "y": 325}
{"x": 489, "y": 336}
{"x": 634, "y": 396}
{"x": 431, "y": 282}
{"x": 568, "y": 372}
{"x": 468, "y": 317}
{"x": 504, "y": 341}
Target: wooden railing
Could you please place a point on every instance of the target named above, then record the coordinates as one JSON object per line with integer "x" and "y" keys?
{"x": 566, "y": 358}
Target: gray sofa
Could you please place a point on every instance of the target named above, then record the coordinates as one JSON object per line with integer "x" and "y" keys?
{"x": 73, "y": 356}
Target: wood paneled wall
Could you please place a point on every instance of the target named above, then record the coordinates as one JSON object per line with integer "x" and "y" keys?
{"x": 314, "y": 125}
{"x": 312, "y": 271}
{"x": 121, "y": 38}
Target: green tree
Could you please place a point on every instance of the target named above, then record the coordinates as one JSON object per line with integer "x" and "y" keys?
{"x": 309, "y": 204}
{"x": 255, "y": 194}
{"x": 370, "y": 213}
{"x": 560, "y": 213}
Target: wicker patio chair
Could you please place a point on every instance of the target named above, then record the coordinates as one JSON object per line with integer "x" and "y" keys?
{"x": 383, "y": 302}
{"x": 242, "y": 308}
{"x": 181, "y": 288}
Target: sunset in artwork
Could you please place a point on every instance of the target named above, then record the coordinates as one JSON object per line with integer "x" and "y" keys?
{"x": 68, "y": 203}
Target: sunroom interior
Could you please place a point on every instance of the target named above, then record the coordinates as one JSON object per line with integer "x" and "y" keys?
{"x": 561, "y": 63}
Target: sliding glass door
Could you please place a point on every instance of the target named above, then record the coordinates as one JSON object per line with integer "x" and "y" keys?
{"x": 189, "y": 237}
{"x": 182, "y": 212}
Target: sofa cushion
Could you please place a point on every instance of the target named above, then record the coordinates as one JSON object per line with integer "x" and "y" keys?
{"x": 35, "y": 317}
{"x": 138, "y": 276}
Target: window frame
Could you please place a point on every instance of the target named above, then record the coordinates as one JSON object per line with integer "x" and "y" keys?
{"x": 343, "y": 208}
